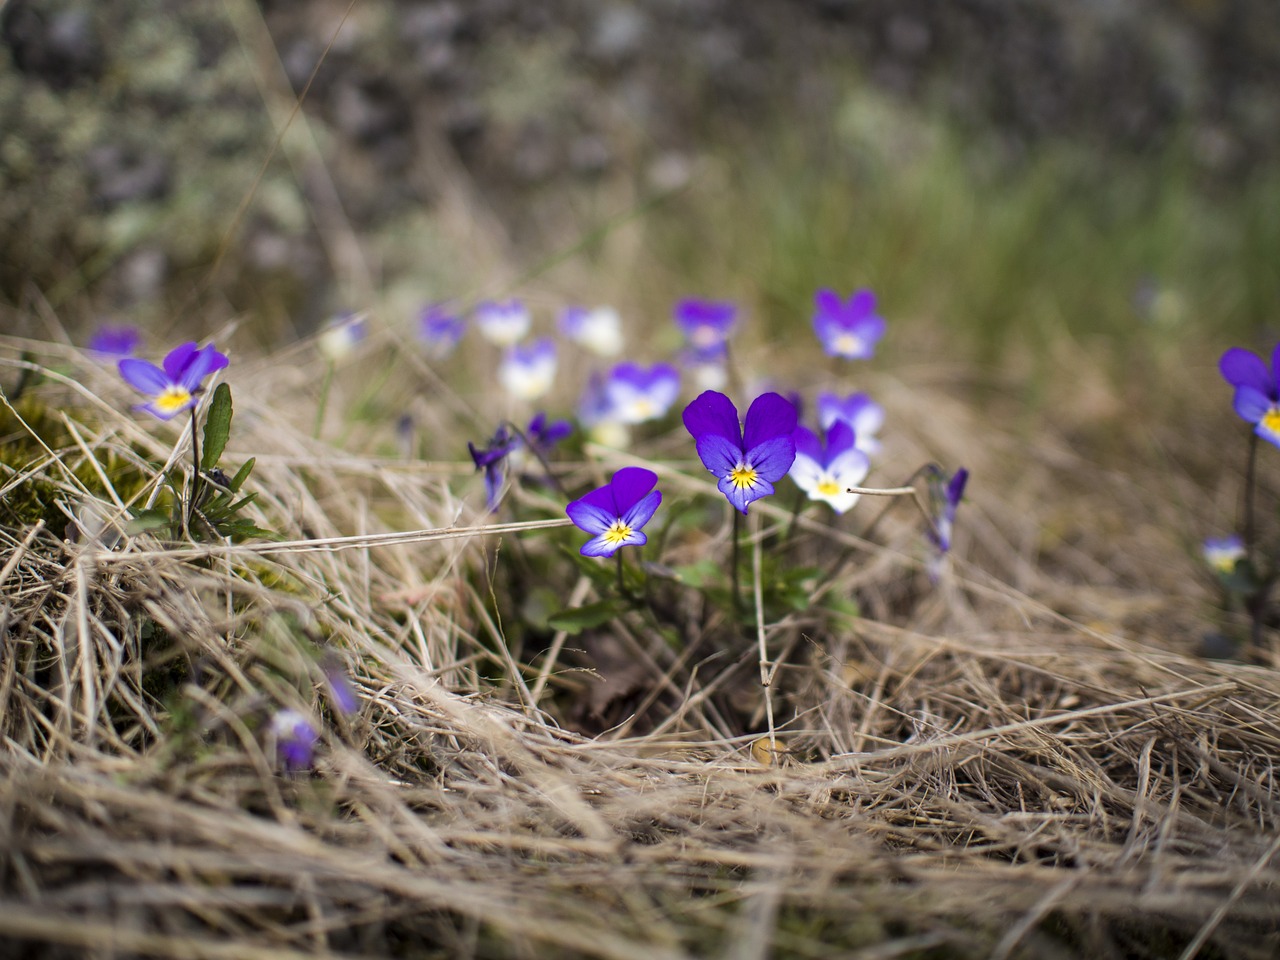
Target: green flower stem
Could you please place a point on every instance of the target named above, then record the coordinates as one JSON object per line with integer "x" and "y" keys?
{"x": 197, "y": 480}
{"x": 325, "y": 386}
{"x": 735, "y": 567}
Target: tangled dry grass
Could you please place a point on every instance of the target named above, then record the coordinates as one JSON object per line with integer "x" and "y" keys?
{"x": 1030, "y": 761}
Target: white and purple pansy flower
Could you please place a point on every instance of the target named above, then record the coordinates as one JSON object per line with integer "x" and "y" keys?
{"x": 848, "y": 329}
{"x": 440, "y": 330}
{"x": 528, "y": 370}
{"x": 504, "y": 323}
{"x": 1223, "y": 553}
{"x": 599, "y": 329}
{"x": 1257, "y": 396}
{"x": 859, "y": 411}
{"x": 827, "y": 472}
{"x": 750, "y": 459}
{"x": 635, "y": 394}
{"x": 706, "y": 323}
{"x": 175, "y": 387}
{"x": 615, "y": 513}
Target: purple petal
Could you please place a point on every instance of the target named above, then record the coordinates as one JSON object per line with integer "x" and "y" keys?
{"x": 176, "y": 362}
{"x": 740, "y": 497}
{"x": 144, "y": 376}
{"x": 955, "y": 489}
{"x": 771, "y": 415}
{"x": 807, "y": 444}
{"x": 642, "y": 512}
{"x": 166, "y": 414}
{"x": 712, "y": 413}
{"x": 828, "y": 302}
{"x": 629, "y": 486}
{"x": 1244, "y": 368}
{"x": 840, "y": 438}
{"x": 600, "y": 546}
{"x": 200, "y": 366}
{"x": 1249, "y": 402}
{"x": 589, "y": 516}
{"x": 861, "y": 304}
{"x": 773, "y": 458}
{"x": 718, "y": 454}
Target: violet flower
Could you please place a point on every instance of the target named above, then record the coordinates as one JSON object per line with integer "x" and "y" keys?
{"x": 1257, "y": 396}
{"x": 295, "y": 739}
{"x": 439, "y": 330}
{"x": 544, "y": 434}
{"x": 945, "y": 498}
{"x": 616, "y": 512}
{"x": 341, "y": 335}
{"x": 529, "y": 370}
{"x": 108, "y": 342}
{"x": 847, "y": 329}
{"x": 826, "y": 474}
{"x": 341, "y": 693}
{"x": 493, "y": 461}
{"x": 863, "y": 414}
{"x": 747, "y": 461}
{"x": 599, "y": 330}
{"x": 1222, "y": 553}
{"x": 706, "y": 323}
{"x": 636, "y": 394}
{"x": 503, "y": 323}
{"x": 175, "y": 387}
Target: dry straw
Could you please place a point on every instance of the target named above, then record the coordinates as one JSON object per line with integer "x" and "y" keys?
{"x": 975, "y": 773}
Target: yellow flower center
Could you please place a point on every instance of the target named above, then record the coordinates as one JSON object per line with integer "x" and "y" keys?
{"x": 829, "y": 488}
{"x": 1271, "y": 421}
{"x": 848, "y": 343}
{"x": 617, "y": 534}
{"x": 173, "y": 399}
{"x": 743, "y": 475}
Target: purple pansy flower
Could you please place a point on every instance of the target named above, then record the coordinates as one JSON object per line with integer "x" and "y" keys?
{"x": 529, "y": 369}
{"x": 945, "y": 498}
{"x": 635, "y": 394}
{"x": 827, "y": 474}
{"x": 706, "y": 323}
{"x": 615, "y": 513}
{"x": 1222, "y": 553}
{"x": 599, "y": 330}
{"x": 503, "y": 323}
{"x": 295, "y": 739}
{"x": 174, "y": 388}
{"x": 1257, "y": 397}
{"x": 440, "y": 330}
{"x": 115, "y": 341}
{"x": 747, "y": 461}
{"x": 493, "y": 461}
{"x": 847, "y": 329}
{"x": 859, "y": 411}
{"x": 544, "y": 434}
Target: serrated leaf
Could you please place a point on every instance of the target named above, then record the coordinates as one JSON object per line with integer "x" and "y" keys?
{"x": 576, "y": 619}
{"x": 217, "y": 427}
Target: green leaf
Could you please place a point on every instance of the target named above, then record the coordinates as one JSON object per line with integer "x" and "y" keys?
{"x": 147, "y": 520}
{"x": 217, "y": 427}
{"x": 242, "y": 475}
{"x": 576, "y": 619}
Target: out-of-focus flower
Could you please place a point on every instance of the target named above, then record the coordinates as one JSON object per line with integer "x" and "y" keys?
{"x": 175, "y": 387}
{"x": 636, "y": 394}
{"x": 847, "y": 329}
{"x": 341, "y": 693}
{"x": 826, "y": 474}
{"x": 747, "y": 461}
{"x": 615, "y": 513}
{"x": 543, "y": 434}
{"x": 440, "y": 330}
{"x": 115, "y": 342}
{"x": 1222, "y": 553}
{"x": 707, "y": 368}
{"x": 1257, "y": 396}
{"x": 529, "y": 369}
{"x": 945, "y": 494}
{"x": 598, "y": 417}
{"x": 706, "y": 323}
{"x": 599, "y": 330}
{"x": 863, "y": 414}
{"x": 295, "y": 739}
{"x": 341, "y": 335}
{"x": 504, "y": 323}
{"x": 493, "y": 461}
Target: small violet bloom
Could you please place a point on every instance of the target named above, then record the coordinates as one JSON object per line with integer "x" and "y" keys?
{"x": 599, "y": 330}
{"x": 493, "y": 461}
{"x": 847, "y": 329}
{"x": 616, "y": 512}
{"x": 295, "y": 739}
{"x": 706, "y": 323}
{"x": 529, "y": 370}
{"x": 341, "y": 693}
{"x": 440, "y": 330}
{"x": 945, "y": 499}
{"x": 175, "y": 387}
{"x": 597, "y": 415}
{"x": 503, "y": 323}
{"x": 1257, "y": 397}
{"x": 827, "y": 474}
{"x": 544, "y": 434}
{"x": 636, "y": 394}
{"x": 341, "y": 335}
{"x": 115, "y": 341}
{"x": 1222, "y": 553}
{"x": 708, "y": 366}
{"x": 858, "y": 411}
{"x": 750, "y": 460}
